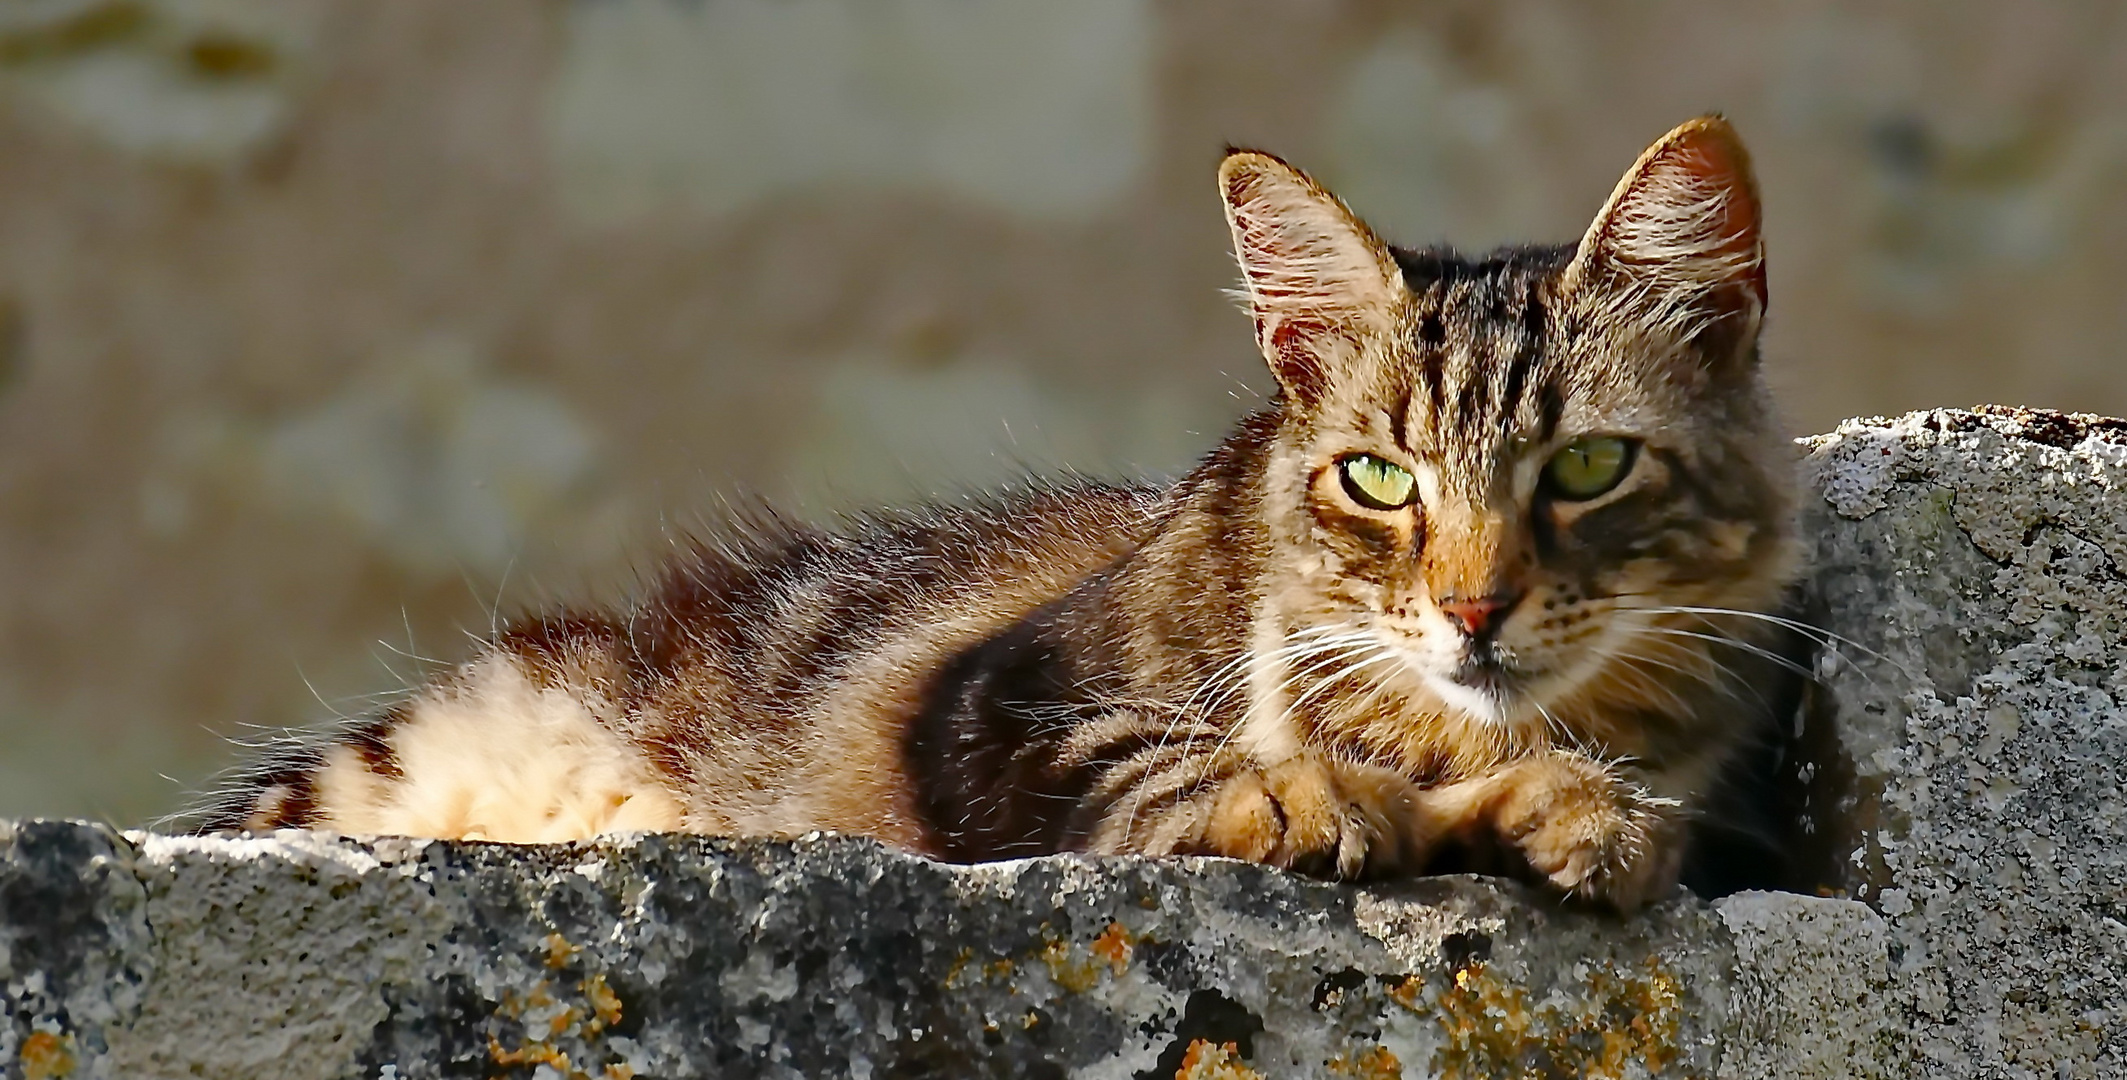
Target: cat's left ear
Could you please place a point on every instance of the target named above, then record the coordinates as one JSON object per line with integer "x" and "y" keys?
{"x": 1677, "y": 252}
{"x": 1318, "y": 280}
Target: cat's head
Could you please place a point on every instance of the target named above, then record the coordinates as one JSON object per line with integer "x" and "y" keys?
{"x": 1514, "y": 474}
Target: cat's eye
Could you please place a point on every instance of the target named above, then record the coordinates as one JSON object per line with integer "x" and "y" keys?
{"x": 1589, "y": 467}
{"x": 1375, "y": 483}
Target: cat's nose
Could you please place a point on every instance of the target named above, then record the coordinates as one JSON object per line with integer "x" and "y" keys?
{"x": 1480, "y": 618}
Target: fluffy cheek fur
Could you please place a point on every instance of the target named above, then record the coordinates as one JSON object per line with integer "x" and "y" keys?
{"x": 1642, "y": 581}
{"x": 1328, "y": 569}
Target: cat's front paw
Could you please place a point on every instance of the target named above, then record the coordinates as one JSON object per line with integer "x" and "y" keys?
{"x": 1317, "y": 817}
{"x": 1586, "y": 830}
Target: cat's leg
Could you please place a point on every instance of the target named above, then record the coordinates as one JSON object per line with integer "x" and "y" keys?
{"x": 496, "y": 751}
{"x": 1307, "y": 813}
{"x": 1591, "y": 829}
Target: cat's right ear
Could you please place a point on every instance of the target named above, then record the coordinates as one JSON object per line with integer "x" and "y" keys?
{"x": 1677, "y": 253}
{"x": 1317, "y": 279}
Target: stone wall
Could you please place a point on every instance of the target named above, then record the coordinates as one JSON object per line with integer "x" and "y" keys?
{"x": 306, "y": 957}
{"x": 1965, "y": 784}
{"x": 1974, "y": 769}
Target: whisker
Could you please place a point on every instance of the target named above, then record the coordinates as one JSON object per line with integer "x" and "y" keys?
{"x": 1342, "y": 652}
{"x": 1552, "y": 723}
{"x": 1754, "y": 650}
{"x": 1650, "y": 684}
{"x": 1731, "y": 675}
{"x": 1379, "y": 655}
{"x": 1818, "y": 634}
{"x": 1298, "y": 646}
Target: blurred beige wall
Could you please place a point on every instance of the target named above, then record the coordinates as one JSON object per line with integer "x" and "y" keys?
{"x": 329, "y": 328}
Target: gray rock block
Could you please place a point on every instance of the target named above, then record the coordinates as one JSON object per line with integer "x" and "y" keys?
{"x": 309, "y": 956}
{"x": 1975, "y": 773}
{"x": 1965, "y": 783}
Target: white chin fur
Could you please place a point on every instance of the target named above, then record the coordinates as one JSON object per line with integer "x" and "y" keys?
{"x": 1482, "y": 706}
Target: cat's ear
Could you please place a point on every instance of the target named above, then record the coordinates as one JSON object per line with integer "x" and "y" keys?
{"x": 1677, "y": 251}
{"x": 1317, "y": 279}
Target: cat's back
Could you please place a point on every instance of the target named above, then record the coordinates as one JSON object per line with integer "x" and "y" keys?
{"x": 759, "y": 686}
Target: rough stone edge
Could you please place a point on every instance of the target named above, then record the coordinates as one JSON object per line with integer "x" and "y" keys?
{"x": 1813, "y": 988}
{"x": 1803, "y": 997}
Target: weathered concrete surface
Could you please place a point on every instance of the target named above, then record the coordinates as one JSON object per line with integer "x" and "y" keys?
{"x": 1977, "y": 781}
{"x": 1965, "y": 779}
{"x": 311, "y": 956}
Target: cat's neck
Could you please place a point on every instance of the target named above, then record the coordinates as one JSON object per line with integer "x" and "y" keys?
{"x": 1195, "y": 602}
{"x": 1194, "y": 584}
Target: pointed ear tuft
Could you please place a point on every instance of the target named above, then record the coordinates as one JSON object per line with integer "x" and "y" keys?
{"x": 1316, "y": 278}
{"x": 1678, "y": 249}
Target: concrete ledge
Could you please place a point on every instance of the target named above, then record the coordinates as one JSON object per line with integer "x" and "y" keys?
{"x": 134, "y": 955}
{"x": 1964, "y": 774}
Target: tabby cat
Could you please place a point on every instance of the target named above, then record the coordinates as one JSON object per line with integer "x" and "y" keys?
{"x": 1471, "y": 581}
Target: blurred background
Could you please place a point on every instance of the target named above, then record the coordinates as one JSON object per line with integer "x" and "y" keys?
{"x": 329, "y": 330}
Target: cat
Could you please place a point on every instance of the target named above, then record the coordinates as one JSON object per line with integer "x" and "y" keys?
{"x": 1472, "y": 581}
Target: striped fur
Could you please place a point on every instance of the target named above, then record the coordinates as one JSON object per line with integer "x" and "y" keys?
{"x": 1248, "y": 663}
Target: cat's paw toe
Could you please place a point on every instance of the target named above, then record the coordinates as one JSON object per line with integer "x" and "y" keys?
{"x": 1590, "y": 834}
{"x": 1313, "y": 818}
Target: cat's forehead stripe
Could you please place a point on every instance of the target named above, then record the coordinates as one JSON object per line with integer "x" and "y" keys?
{"x": 1485, "y": 328}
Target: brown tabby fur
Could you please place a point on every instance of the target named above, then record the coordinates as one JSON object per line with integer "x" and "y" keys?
{"x": 1248, "y": 663}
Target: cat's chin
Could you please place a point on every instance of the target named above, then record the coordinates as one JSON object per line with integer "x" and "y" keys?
{"x": 1490, "y": 704}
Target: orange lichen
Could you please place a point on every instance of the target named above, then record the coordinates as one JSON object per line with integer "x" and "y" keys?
{"x": 580, "y": 1024}
{"x": 1074, "y": 973}
{"x": 1207, "y": 1060}
{"x": 1492, "y": 1031}
{"x": 1487, "y": 1024}
{"x": 559, "y": 951}
{"x": 46, "y": 1056}
{"x": 959, "y": 968}
{"x": 1115, "y": 946}
{"x": 1372, "y": 1063}
{"x": 1409, "y": 993}
{"x": 605, "y": 1005}
{"x": 531, "y": 1053}
{"x": 967, "y": 971}
{"x": 561, "y": 1023}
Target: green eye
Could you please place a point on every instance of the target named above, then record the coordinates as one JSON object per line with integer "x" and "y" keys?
{"x": 1589, "y": 467}
{"x": 1375, "y": 483}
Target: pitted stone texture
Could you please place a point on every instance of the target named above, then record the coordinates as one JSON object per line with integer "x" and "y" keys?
{"x": 76, "y": 948}
{"x": 1810, "y": 996}
{"x": 1972, "y": 560}
{"x": 300, "y": 955}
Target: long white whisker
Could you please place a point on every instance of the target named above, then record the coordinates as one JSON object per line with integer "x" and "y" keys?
{"x": 1705, "y": 658}
{"x": 1648, "y": 683}
{"x": 1814, "y": 633}
{"x": 1380, "y": 654}
{"x": 1552, "y": 723}
{"x": 1754, "y": 650}
{"x": 1293, "y": 709}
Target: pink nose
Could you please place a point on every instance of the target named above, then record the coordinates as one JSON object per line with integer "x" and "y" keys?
{"x": 1481, "y": 617}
